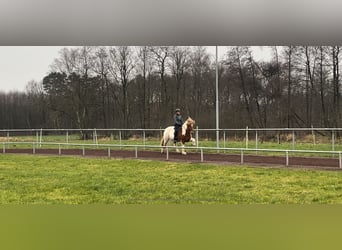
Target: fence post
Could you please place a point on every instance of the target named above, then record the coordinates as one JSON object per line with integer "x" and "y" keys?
{"x": 59, "y": 150}
{"x": 241, "y": 157}
{"x": 37, "y": 137}
{"x": 256, "y": 141}
{"x": 202, "y": 158}
{"x": 340, "y": 160}
{"x": 144, "y": 138}
{"x": 287, "y": 158}
{"x": 293, "y": 140}
{"x": 83, "y": 151}
{"x": 218, "y": 140}
{"x": 41, "y": 137}
{"x": 33, "y": 148}
{"x": 95, "y": 134}
{"x": 3, "y": 148}
{"x": 197, "y": 136}
{"x": 333, "y": 140}
{"x": 224, "y": 141}
{"x": 278, "y": 137}
{"x": 67, "y": 137}
{"x": 247, "y": 137}
{"x": 120, "y": 138}
{"x": 167, "y": 153}
{"x": 108, "y": 152}
{"x": 136, "y": 152}
{"x": 313, "y": 135}
{"x": 7, "y": 137}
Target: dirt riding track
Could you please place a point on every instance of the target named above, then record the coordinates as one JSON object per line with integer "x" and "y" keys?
{"x": 222, "y": 159}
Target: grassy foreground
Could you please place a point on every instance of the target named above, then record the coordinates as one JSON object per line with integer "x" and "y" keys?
{"x": 71, "y": 180}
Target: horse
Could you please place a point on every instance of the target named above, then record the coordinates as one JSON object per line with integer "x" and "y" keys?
{"x": 183, "y": 135}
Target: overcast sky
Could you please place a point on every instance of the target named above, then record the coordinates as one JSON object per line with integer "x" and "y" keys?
{"x": 21, "y": 64}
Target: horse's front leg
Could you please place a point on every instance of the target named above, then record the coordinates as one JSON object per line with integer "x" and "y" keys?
{"x": 183, "y": 150}
{"x": 175, "y": 145}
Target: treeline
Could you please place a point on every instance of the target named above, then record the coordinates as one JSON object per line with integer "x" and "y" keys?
{"x": 139, "y": 87}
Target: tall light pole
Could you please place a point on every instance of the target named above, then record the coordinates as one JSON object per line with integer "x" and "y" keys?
{"x": 217, "y": 106}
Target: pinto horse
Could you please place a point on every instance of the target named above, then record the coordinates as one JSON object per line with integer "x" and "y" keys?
{"x": 183, "y": 135}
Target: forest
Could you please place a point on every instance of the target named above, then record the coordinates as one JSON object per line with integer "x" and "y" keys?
{"x": 140, "y": 87}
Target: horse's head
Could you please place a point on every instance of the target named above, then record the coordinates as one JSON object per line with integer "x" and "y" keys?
{"x": 190, "y": 123}
{"x": 188, "y": 126}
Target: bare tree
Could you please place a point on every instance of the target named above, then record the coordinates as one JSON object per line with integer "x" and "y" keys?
{"x": 66, "y": 63}
{"x": 101, "y": 68}
{"x": 179, "y": 64}
{"x": 257, "y": 91}
{"x": 199, "y": 65}
{"x": 144, "y": 68}
{"x": 335, "y": 51}
{"x": 161, "y": 56}
{"x": 305, "y": 70}
{"x": 322, "y": 58}
{"x": 238, "y": 57}
{"x": 36, "y": 115}
{"x": 278, "y": 88}
{"x": 311, "y": 60}
{"x": 293, "y": 77}
{"x": 123, "y": 63}
{"x": 139, "y": 87}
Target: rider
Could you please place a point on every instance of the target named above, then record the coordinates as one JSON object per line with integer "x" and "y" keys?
{"x": 178, "y": 123}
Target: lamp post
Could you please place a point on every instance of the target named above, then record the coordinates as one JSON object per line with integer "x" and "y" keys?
{"x": 217, "y": 106}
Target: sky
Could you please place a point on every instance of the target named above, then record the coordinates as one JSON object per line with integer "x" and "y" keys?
{"x": 22, "y": 64}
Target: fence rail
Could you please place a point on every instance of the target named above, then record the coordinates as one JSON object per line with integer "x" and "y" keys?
{"x": 202, "y": 150}
{"x": 161, "y": 129}
{"x": 249, "y": 135}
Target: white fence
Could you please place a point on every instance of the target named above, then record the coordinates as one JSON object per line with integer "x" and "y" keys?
{"x": 250, "y": 136}
{"x": 202, "y": 150}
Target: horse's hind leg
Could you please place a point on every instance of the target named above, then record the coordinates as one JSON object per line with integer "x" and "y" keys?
{"x": 162, "y": 144}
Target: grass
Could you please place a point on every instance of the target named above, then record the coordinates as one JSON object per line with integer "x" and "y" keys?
{"x": 28, "y": 179}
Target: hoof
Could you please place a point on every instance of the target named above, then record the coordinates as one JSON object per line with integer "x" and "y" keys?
{"x": 183, "y": 153}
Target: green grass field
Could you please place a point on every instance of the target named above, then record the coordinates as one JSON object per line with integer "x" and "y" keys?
{"x": 74, "y": 180}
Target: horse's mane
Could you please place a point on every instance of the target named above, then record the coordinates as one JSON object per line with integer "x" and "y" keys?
{"x": 187, "y": 123}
